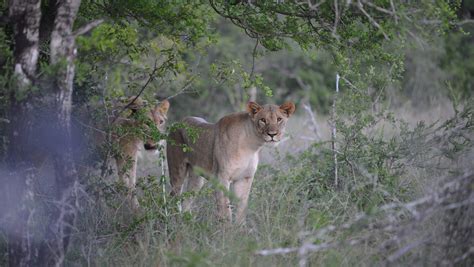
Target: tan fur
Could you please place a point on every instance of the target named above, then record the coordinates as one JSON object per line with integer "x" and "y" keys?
{"x": 227, "y": 150}
{"x": 130, "y": 145}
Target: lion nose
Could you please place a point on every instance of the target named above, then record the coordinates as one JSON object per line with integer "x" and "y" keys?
{"x": 272, "y": 134}
{"x": 149, "y": 146}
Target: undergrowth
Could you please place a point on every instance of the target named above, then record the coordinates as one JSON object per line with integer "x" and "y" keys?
{"x": 382, "y": 161}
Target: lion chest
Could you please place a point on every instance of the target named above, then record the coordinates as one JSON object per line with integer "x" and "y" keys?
{"x": 242, "y": 166}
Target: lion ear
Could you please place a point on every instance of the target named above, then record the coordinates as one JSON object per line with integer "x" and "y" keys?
{"x": 253, "y": 108}
{"x": 163, "y": 107}
{"x": 135, "y": 103}
{"x": 288, "y": 108}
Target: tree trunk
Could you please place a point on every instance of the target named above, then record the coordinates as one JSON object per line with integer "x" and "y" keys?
{"x": 41, "y": 128}
{"x": 25, "y": 17}
{"x": 62, "y": 55}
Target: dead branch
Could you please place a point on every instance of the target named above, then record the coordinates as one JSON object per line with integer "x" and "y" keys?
{"x": 381, "y": 9}
{"x": 336, "y": 19}
{"x": 333, "y": 126}
{"x": 314, "y": 123}
{"x": 183, "y": 89}
{"x": 88, "y": 27}
{"x": 372, "y": 20}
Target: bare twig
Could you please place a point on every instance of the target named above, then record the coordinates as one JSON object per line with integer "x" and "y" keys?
{"x": 402, "y": 251}
{"x": 458, "y": 23}
{"x": 349, "y": 83}
{"x": 333, "y": 142}
{"x": 336, "y": 19}
{"x": 254, "y": 55}
{"x": 276, "y": 251}
{"x": 394, "y": 11}
{"x": 372, "y": 20}
{"x": 182, "y": 90}
{"x": 315, "y": 6}
{"x": 312, "y": 117}
{"x": 464, "y": 256}
{"x": 89, "y": 126}
{"x": 151, "y": 76}
{"x": 466, "y": 21}
{"x": 88, "y": 27}
{"x": 381, "y": 9}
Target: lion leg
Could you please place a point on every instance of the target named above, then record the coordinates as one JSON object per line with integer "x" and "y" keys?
{"x": 223, "y": 203}
{"x": 132, "y": 185}
{"x": 242, "y": 190}
{"x": 129, "y": 176}
{"x": 194, "y": 184}
{"x": 178, "y": 175}
{"x": 177, "y": 167}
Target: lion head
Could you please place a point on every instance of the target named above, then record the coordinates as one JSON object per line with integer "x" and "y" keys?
{"x": 158, "y": 116}
{"x": 270, "y": 120}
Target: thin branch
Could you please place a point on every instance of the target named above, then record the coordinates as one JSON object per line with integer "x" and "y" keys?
{"x": 466, "y": 21}
{"x": 350, "y": 84}
{"x": 182, "y": 90}
{"x": 402, "y": 251}
{"x": 89, "y": 126}
{"x": 88, "y": 27}
{"x": 315, "y": 6}
{"x": 333, "y": 142}
{"x": 361, "y": 8}
{"x": 312, "y": 117}
{"x": 464, "y": 256}
{"x": 381, "y": 9}
{"x": 394, "y": 11}
{"x": 254, "y": 55}
{"x": 276, "y": 251}
{"x": 336, "y": 19}
{"x": 150, "y": 78}
{"x": 459, "y": 23}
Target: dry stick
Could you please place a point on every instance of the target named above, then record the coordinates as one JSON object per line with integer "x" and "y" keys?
{"x": 394, "y": 11}
{"x": 88, "y": 27}
{"x": 108, "y": 136}
{"x": 183, "y": 89}
{"x": 336, "y": 181}
{"x": 381, "y": 9}
{"x": 163, "y": 179}
{"x": 372, "y": 20}
{"x": 316, "y": 5}
{"x": 336, "y": 19}
{"x": 312, "y": 117}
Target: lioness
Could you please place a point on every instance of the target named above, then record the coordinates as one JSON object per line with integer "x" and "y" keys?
{"x": 227, "y": 150}
{"x": 129, "y": 143}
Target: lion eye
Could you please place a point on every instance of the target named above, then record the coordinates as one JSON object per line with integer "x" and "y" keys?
{"x": 263, "y": 121}
{"x": 279, "y": 119}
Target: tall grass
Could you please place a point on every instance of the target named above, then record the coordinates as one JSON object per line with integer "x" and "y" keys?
{"x": 292, "y": 203}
